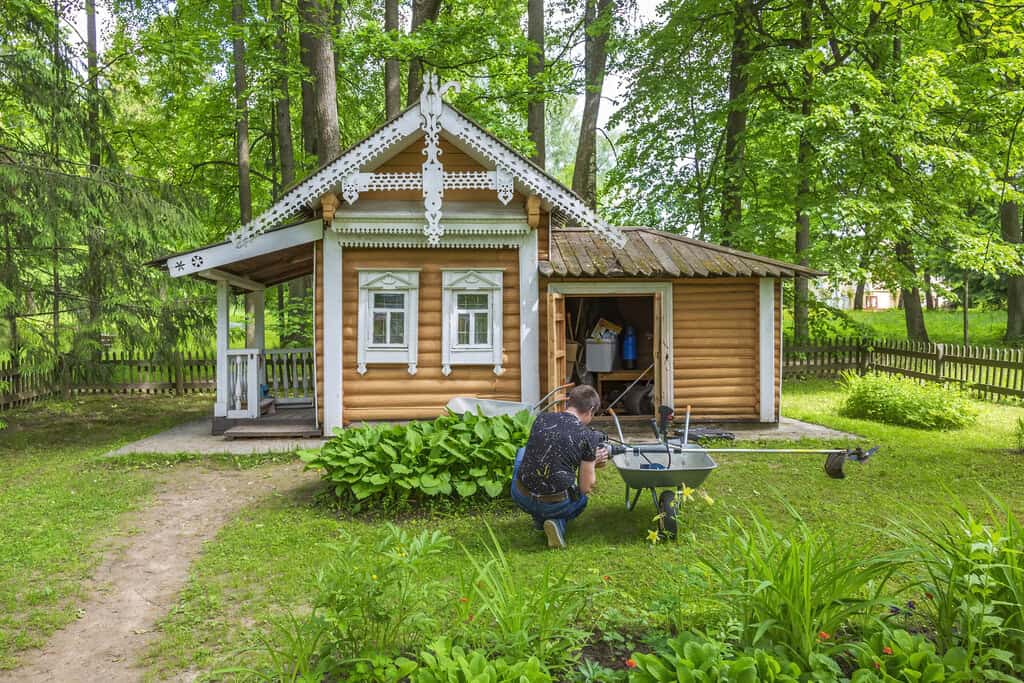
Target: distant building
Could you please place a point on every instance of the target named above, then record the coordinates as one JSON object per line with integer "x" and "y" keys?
{"x": 876, "y": 297}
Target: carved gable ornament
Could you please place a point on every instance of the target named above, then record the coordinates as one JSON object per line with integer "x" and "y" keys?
{"x": 345, "y": 175}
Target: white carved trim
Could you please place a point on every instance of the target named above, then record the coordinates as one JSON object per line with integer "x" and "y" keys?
{"x": 332, "y": 335}
{"x": 308, "y": 192}
{"x": 766, "y": 348}
{"x": 479, "y": 280}
{"x": 532, "y": 178}
{"x": 396, "y": 280}
{"x": 225, "y": 254}
{"x": 529, "y": 320}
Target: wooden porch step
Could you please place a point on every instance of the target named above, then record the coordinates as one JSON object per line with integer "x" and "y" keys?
{"x": 272, "y": 430}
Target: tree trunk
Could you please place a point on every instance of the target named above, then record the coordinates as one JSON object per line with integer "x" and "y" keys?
{"x": 736, "y": 122}
{"x": 94, "y": 271}
{"x": 929, "y": 296}
{"x": 392, "y": 67}
{"x": 535, "y": 71}
{"x": 10, "y": 281}
{"x": 422, "y": 11}
{"x": 801, "y": 293}
{"x": 911, "y": 296}
{"x": 1010, "y": 227}
{"x": 597, "y": 21}
{"x": 241, "y": 113}
{"x": 858, "y": 296}
{"x": 282, "y": 106}
{"x": 328, "y": 139}
{"x": 308, "y": 122}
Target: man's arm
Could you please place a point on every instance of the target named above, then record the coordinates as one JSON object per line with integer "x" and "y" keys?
{"x": 587, "y": 476}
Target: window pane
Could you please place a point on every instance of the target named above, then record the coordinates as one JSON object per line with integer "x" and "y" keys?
{"x": 380, "y": 328}
{"x": 463, "y": 335}
{"x": 389, "y": 300}
{"x": 480, "y": 328}
{"x": 474, "y": 302}
{"x": 397, "y": 327}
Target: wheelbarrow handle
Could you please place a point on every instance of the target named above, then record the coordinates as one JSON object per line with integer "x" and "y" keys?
{"x": 543, "y": 402}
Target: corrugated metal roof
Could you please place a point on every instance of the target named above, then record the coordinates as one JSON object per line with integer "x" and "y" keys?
{"x": 579, "y": 252}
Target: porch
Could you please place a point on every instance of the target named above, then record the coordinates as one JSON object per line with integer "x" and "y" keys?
{"x": 271, "y": 394}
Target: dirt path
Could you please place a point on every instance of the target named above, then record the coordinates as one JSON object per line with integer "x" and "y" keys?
{"x": 140, "y": 577}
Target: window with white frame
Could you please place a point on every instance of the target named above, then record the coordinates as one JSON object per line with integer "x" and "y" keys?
{"x": 471, "y": 314}
{"x": 388, "y": 305}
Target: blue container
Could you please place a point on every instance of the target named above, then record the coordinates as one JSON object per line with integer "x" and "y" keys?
{"x": 629, "y": 348}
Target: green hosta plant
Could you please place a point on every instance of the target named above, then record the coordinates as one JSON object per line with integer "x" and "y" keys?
{"x": 445, "y": 663}
{"x": 455, "y": 455}
{"x": 897, "y": 656}
{"x": 692, "y": 658}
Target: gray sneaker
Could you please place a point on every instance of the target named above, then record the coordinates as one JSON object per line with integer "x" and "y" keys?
{"x": 554, "y": 534}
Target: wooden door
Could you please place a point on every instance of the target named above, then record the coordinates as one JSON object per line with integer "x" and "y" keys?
{"x": 658, "y": 347}
{"x": 557, "y": 369}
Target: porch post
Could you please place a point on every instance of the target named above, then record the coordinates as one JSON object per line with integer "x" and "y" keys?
{"x": 255, "y": 337}
{"x": 766, "y": 348}
{"x": 220, "y": 406}
{"x": 332, "y": 334}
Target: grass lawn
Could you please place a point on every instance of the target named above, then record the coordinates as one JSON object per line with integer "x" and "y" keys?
{"x": 263, "y": 563}
{"x": 58, "y": 501}
{"x": 944, "y": 327}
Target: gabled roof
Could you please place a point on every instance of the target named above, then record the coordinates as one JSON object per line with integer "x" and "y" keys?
{"x": 576, "y": 252}
{"x": 431, "y": 117}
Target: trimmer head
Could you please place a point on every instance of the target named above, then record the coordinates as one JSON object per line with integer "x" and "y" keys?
{"x": 835, "y": 461}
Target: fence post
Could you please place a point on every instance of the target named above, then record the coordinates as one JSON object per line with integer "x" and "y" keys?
{"x": 862, "y": 357}
{"x": 179, "y": 374}
{"x": 940, "y": 353}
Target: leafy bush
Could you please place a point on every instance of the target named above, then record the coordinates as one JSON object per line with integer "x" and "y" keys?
{"x": 973, "y": 586}
{"x": 519, "y": 619}
{"x": 445, "y": 663}
{"x": 904, "y": 401}
{"x": 376, "y": 600}
{"x": 1019, "y": 434}
{"x": 795, "y": 591}
{"x": 693, "y": 658}
{"x": 393, "y": 465}
{"x": 893, "y": 656}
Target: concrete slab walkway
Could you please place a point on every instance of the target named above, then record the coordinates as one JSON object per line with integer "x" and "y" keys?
{"x": 195, "y": 437}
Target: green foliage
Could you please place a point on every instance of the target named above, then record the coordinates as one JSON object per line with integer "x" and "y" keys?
{"x": 973, "y": 583}
{"x": 522, "y": 619}
{"x": 904, "y": 401}
{"x": 1019, "y": 435}
{"x": 690, "y": 658}
{"x": 794, "y": 590}
{"x": 469, "y": 455}
{"x": 897, "y": 656}
{"x": 373, "y": 599}
{"x": 446, "y": 663}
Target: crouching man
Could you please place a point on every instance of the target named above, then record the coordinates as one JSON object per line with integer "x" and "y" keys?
{"x": 555, "y": 472}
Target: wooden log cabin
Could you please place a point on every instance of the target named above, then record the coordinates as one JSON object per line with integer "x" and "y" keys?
{"x": 440, "y": 268}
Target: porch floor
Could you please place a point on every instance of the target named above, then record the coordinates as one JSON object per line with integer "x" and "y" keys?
{"x": 287, "y": 422}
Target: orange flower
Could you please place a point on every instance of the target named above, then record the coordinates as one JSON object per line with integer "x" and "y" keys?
{"x": 822, "y": 635}
{"x": 630, "y": 663}
{"x": 878, "y": 665}
{"x": 606, "y": 578}
{"x": 886, "y": 650}
{"x": 463, "y": 599}
{"x": 471, "y": 617}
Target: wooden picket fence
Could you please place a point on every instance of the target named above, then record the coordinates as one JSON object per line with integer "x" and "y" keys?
{"x": 114, "y": 373}
{"x": 989, "y": 373}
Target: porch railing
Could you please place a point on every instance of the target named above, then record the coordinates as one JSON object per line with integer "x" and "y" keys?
{"x": 290, "y": 374}
{"x": 244, "y": 383}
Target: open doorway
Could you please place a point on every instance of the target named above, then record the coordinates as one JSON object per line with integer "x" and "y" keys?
{"x": 612, "y": 342}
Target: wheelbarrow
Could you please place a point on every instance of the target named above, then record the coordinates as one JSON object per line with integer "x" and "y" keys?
{"x": 674, "y": 464}
{"x": 490, "y": 407}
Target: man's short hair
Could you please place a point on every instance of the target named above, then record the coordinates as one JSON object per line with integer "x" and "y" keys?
{"x": 584, "y": 399}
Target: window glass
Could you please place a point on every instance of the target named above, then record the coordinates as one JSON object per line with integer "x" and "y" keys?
{"x": 396, "y": 329}
{"x": 463, "y": 329}
{"x": 474, "y": 302}
{"x": 380, "y": 328}
{"x": 480, "y": 329}
{"x": 388, "y": 318}
{"x": 389, "y": 300}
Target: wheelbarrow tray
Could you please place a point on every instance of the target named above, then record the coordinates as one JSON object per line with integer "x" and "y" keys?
{"x": 689, "y": 466}
{"x": 486, "y": 406}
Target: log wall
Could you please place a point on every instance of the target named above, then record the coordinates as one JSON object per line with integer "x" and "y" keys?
{"x": 388, "y": 392}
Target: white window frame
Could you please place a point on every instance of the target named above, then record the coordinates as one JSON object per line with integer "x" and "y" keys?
{"x": 475, "y": 281}
{"x": 401, "y": 281}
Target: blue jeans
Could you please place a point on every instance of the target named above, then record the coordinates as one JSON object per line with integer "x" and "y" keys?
{"x": 560, "y": 512}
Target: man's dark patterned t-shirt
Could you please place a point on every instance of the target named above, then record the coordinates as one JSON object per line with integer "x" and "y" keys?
{"x": 558, "y": 443}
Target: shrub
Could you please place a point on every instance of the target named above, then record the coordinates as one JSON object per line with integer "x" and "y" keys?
{"x": 794, "y": 591}
{"x": 393, "y": 465}
{"x": 1019, "y": 435}
{"x": 899, "y": 656}
{"x": 973, "y": 585}
{"x": 692, "y": 658}
{"x": 445, "y": 663}
{"x": 519, "y": 619}
{"x": 904, "y": 401}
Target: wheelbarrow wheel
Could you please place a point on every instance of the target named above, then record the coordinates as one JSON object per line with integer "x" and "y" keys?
{"x": 668, "y": 508}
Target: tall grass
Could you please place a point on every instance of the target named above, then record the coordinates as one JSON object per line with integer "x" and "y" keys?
{"x": 796, "y": 590}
